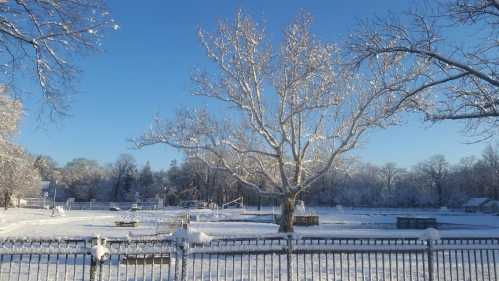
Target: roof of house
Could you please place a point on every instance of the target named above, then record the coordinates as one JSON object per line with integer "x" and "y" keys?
{"x": 492, "y": 203}
{"x": 476, "y": 202}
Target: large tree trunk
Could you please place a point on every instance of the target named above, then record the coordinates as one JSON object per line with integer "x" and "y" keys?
{"x": 116, "y": 188}
{"x": 287, "y": 213}
{"x": 6, "y": 200}
{"x": 440, "y": 195}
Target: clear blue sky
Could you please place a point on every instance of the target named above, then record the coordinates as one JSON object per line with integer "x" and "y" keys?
{"x": 146, "y": 66}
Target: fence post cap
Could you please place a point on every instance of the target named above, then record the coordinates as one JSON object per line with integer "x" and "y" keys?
{"x": 99, "y": 251}
{"x": 430, "y": 234}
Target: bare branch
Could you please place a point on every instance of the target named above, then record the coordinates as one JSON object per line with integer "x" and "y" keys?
{"x": 45, "y": 36}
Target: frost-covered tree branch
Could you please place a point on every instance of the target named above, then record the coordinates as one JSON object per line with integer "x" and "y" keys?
{"x": 42, "y": 38}
{"x": 18, "y": 174}
{"x": 461, "y": 76}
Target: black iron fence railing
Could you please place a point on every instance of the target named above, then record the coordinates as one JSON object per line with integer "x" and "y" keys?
{"x": 251, "y": 258}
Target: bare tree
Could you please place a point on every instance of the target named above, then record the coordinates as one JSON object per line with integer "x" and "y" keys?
{"x": 18, "y": 174}
{"x": 287, "y": 114}
{"x": 460, "y": 80}
{"x": 490, "y": 161}
{"x": 436, "y": 169}
{"x": 84, "y": 179}
{"x": 42, "y": 38}
{"x": 47, "y": 167}
{"x": 11, "y": 112}
{"x": 124, "y": 173}
{"x": 389, "y": 174}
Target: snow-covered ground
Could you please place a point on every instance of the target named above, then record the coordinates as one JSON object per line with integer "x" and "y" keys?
{"x": 333, "y": 222}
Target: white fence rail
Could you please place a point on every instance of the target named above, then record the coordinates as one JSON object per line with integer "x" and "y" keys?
{"x": 40, "y": 203}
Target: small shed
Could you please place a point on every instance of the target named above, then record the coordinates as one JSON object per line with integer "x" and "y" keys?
{"x": 492, "y": 206}
{"x": 475, "y": 204}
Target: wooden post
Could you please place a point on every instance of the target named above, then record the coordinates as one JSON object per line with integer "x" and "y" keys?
{"x": 93, "y": 262}
{"x": 289, "y": 262}
{"x": 93, "y": 269}
{"x": 429, "y": 251}
{"x": 184, "y": 263}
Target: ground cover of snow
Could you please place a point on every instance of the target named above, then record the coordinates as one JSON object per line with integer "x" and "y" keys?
{"x": 340, "y": 222}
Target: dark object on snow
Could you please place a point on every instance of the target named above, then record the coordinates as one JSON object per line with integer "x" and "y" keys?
{"x": 114, "y": 209}
{"x": 194, "y": 204}
{"x": 236, "y": 203}
{"x": 126, "y": 223}
{"x": 147, "y": 259}
{"x": 306, "y": 220}
{"x": 416, "y": 223}
{"x": 301, "y": 220}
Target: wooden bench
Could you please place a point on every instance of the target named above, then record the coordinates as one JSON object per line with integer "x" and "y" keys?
{"x": 306, "y": 220}
{"x": 126, "y": 223}
{"x": 301, "y": 220}
{"x": 416, "y": 223}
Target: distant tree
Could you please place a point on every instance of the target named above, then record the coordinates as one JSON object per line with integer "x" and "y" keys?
{"x": 329, "y": 187}
{"x": 184, "y": 180}
{"x": 389, "y": 174}
{"x": 458, "y": 76}
{"x": 365, "y": 187}
{"x": 146, "y": 181}
{"x": 291, "y": 111}
{"x": 436, "y": 170}
{"x": 47, "y": 167}
{"x": 146, "y": 176}
{"x": 124, "y": 177}
{"x": 84, "y": 179}
{"x": 490, "y": 163}
{"x": 413, "y": 189}
{"x": 42, "y": 37}
{"x": 162, "y": 186}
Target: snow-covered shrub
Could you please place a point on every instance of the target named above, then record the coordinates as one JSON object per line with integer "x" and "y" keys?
{"x": 100, "y": 252}
{"x": 430, "y": 234}
{"x": 191, "y": 236}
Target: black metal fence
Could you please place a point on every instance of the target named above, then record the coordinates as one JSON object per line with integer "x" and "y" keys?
{"x": 255, "y": 258}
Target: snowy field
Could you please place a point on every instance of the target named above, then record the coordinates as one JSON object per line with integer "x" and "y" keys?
{"x": 232, "y": 222}
{"x": 260, "y": 259}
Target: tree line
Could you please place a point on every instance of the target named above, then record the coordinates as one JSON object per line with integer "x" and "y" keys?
{"x": 433, "y": 182}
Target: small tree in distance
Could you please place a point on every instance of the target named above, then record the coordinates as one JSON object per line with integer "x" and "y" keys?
{"x": 288, "y": 113}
